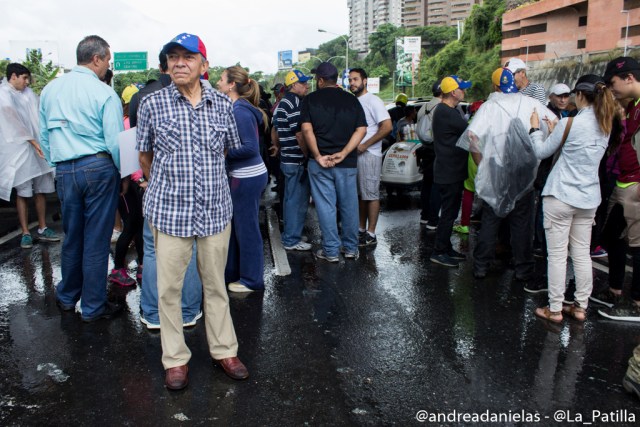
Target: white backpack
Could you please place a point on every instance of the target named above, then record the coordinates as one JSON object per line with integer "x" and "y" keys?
{"x": 424, "y": 127}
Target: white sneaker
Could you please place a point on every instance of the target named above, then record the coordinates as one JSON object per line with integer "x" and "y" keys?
{"x": 300, "y": 246}
{"x": 238, "y": 287}
{"x": 193, "y": 321}
{"x": 320, "y": 254}
{"x": 149, "y": 325}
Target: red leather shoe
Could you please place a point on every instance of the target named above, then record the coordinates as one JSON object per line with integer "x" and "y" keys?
{"x": 176, "y": 378}
{"x": 234, "y": 368}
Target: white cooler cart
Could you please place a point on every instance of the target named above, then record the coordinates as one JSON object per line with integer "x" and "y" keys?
{"x": 400, "y": 168}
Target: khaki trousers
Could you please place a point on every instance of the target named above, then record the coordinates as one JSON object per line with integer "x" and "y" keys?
{"x": 630, "y": 201}
{"x": 173, "y": 255}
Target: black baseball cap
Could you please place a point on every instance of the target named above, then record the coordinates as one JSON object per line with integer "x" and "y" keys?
{"x": 326, "y": 70}
{"x": 587, "y": 83}
{"x": 621, "y": 64}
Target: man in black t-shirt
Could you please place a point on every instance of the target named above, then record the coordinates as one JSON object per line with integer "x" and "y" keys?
{"x": 333, "y": 124}
{"x": 450, "y": 166}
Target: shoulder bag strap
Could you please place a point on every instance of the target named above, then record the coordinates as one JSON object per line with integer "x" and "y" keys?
{"x": 564, "y": 139}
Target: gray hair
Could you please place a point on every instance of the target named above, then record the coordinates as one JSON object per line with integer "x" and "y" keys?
{"x": 89, "y": 46}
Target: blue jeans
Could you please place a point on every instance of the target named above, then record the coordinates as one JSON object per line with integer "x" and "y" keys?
{"x": 245, "y": 259}
{"x": 191, "y": 291}
{"x": 88, "y": 192}
{"x": 296, "y": 202}
{"x": 332, "y": 189}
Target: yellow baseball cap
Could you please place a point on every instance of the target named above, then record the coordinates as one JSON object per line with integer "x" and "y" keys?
{"x": 294, "y": 76}
{"x": 453, "y": 82}
{"x": 128, "y": 92}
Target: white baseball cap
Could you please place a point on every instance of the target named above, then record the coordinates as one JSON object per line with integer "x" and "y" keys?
{"x": 515, "y": 64}
{"x": 560, "y": 89}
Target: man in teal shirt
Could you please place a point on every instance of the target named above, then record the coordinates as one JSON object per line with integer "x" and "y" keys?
{"x": 80, "y": 119}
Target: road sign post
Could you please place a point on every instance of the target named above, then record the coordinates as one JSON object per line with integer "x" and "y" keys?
{"x": 130, "y": 61}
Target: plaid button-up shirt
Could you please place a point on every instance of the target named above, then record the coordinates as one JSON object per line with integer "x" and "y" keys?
{"x": 188, "y": 193}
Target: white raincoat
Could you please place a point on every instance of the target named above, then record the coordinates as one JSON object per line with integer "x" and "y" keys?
{"x": 19, "y": 161}
{"x": 500, "y": 132}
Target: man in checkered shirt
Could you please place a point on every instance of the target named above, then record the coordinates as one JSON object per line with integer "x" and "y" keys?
{"x": 183, "y": 133}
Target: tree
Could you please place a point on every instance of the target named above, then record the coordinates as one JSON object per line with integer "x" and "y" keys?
{"x": 336, "y": 47}
{"x": 382, "y": 47}
{"x": 3, "y": 67}
{"x": 122, "y": 80}
{"x": 474, "y": 56}
{"x": 41, "y": 74}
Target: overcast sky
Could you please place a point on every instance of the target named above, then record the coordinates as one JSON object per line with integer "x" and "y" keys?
{"x": 247, "y": 31}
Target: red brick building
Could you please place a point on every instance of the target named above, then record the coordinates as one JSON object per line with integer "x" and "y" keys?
{"x": 552, "y": 29}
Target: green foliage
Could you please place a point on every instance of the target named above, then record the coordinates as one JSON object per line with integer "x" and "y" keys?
{"x": 483, "y": 28}
{"x": 3, "y": 67}
{"x": 41, "y": 74}
{"x": 478, "y": 69}
{"x": 436, "y": 37}
{"x": 335, "y": 47}
{"x": 382, "y": 45}
{"x": 380, "y": 71}
{"x": 122, "y": 80}
{"x": 473, "y": 57}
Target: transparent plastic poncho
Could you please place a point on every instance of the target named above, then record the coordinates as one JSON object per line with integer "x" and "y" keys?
{"x": 19, "y": 161}
{"x": 500, "y": 132}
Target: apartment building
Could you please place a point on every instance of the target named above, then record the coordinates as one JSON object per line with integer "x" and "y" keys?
{"x": 554, "y": 29}
{"x": 365, "y": 16}
{"x": 448, "y": 12}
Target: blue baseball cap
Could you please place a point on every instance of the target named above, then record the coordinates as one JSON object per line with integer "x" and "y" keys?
{"x": 191, "y": 42}
{"x": 294, "y": 76}
{"x": 503, "y": 78}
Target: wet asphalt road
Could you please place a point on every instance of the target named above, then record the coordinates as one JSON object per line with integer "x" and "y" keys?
{"x": 365, "y": 342}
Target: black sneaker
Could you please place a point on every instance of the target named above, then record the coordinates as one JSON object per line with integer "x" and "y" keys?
{"x": 361, "y": 236}
{"x": 456, "y": 255}
{"x": 479, "y": 274}
{"x": 629, "y": 312}
{"x": 431, "y": 226}
{"x": 631, "y": 386}
{"x": 368, "y": 240}
{"x": 110, "y": 310}
{"x": 535, "y": 287}
{"x": 444, "y": 259}
{"x": 606, "y": 298}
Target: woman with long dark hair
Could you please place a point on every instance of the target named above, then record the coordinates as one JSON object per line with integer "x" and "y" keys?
{"x": 247, "y": 180}
{"x": 572, "y": 192}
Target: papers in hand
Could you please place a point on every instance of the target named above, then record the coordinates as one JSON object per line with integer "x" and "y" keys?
{"x": 128, "y": 153}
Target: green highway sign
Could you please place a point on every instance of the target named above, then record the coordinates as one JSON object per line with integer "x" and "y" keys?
{"x": 129, "y": 61}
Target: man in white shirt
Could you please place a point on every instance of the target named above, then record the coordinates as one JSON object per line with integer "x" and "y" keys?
{"x": 21, "y": 160}
{"x": 369, "y": 156}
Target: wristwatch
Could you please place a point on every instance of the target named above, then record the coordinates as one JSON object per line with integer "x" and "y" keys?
{"x": 532, "y": 130}
{"x": 140, "y": 180}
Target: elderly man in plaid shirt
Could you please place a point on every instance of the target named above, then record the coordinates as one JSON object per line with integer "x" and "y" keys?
{"x": 184, "y": 131}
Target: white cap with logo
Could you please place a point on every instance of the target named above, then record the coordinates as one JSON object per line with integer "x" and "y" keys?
{"x": 560, "y": 89}
{"x": 515, "y": 64}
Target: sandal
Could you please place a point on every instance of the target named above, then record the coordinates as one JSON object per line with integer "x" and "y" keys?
{"x": 575, "y": 312}
{"x": 546, "y": 314}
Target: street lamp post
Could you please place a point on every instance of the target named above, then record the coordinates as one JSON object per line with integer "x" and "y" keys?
{"x": 626, "y": 32}
{"x": 346, "y": 43}
{"x": 526, "y": 57}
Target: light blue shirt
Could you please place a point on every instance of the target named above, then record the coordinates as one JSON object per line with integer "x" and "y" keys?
{"x": 79, "y": 116}
{"x": 574, "y": 178}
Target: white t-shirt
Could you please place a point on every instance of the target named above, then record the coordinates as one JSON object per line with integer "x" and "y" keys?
{"x": 375, "y": 113}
